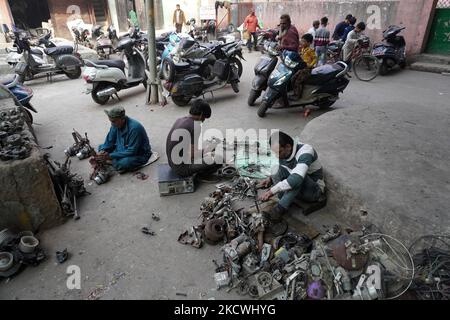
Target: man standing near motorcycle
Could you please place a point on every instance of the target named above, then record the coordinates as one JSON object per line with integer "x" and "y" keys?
{"x": 340, "y": 27}
{"x": 251, "y": 25}
{"x": 313, "y": 29}
{"x": 352, "y": 39}
{"x": 299, "y": 176}
{"x": 178, "y": 19}
{"x": 321, "y": 41}
{"x": 126, "y": 146}
{"x": 288, "y": 37}
{"x": 309, "y": 57}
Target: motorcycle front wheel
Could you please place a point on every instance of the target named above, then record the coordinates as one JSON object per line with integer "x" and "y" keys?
{"x": 181, "y": 101}
{"x": 254, "y": 94}
{"x": 263, "y": 109}
{"x": 238, "y": 64}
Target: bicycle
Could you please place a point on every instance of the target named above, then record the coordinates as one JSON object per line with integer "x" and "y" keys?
{"x": 365, "y": 65}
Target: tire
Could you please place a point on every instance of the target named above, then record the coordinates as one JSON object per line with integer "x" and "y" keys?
{"x": 238, "y": 64}
{"x": 366, "y": 67}
{"x": 254, "y": 94}
{"x": 168, "y": 70}
{"x": 75, "y": 74}
{"x": 99, "y": 100}
{"x": 30, "y": 116}
{"x": 384, "y": 69}
{"x": 263, "y": 109}
{"x": 235, "y": 86}
{"x": 181, "y": 101}
{"x": 325, "y": 104}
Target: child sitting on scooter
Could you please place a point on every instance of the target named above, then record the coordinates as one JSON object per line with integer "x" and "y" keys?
{"x": 310, "y": 58}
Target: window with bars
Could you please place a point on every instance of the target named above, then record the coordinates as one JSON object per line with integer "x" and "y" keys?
{"x": 443, "y": 4}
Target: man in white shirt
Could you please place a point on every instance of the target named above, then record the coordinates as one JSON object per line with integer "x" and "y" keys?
{"x": 313, "y": 29}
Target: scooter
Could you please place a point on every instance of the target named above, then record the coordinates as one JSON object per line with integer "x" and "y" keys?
{"x": 108, "y": 76}
{"x": 62, "y": 60}
{"x": 189, "y": 85}
{"x": 391, "y": 52}
{"x": 263, "y": 69}
{"x": 21, "y": 92}
{"x": 321, "y": 89}
{"x": 104, "y": 45}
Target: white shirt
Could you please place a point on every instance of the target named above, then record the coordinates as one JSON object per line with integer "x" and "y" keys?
{"x": 178, "y": 16}
{"x": 312, "y": 31}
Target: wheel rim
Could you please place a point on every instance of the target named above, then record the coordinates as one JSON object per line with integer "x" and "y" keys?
{"x": 366, "y": 68}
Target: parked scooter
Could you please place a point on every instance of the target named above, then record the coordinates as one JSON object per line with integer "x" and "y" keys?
{"x": 104, "y": 45}
{"x": 189, "y": 85}
{"x": 108, "y": 76}
{"x": 321, "y": 89}
{"x": 54, "y": 60}
{"x": 391, "y": 52}
{"x": 263, "y": 69}
{"x": 21, "y": 92}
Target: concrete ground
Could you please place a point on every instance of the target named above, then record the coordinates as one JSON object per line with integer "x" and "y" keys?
{"x": 117, "y": 261}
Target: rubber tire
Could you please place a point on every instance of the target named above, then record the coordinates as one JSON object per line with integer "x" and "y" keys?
{"x": 29, "y": 115}
{"x": 235, "y": 86}
{"x": 263, "y": 109}
{"x": 74, "y": 75}
{"x": 168, "y": 75}
{"x": 101, "y": 101}
{"x": 253, "y": 96}
{"x": 239, "y": 65}
{"x": 356, "y": 63}
{"x": 181, "y": 101}
{"x": 384, "y": 70}
{"x": 325, "y": 104}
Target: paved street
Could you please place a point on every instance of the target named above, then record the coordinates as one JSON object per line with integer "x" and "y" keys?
{"x": 107, "y": 240}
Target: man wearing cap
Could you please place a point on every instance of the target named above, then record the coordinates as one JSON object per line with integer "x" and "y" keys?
{"x": 126, "y": 145}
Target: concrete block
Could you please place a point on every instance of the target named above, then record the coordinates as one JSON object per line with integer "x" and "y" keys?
{"x": 27, "y": 197}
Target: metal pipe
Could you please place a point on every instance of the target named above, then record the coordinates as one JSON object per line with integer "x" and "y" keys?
{"x": 152, "y": 87}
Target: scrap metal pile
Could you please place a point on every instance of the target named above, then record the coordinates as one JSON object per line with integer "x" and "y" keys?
{"x": 18, "y": 251}
{"x": 338, "y": 265}
{"x": 14, "y": 142}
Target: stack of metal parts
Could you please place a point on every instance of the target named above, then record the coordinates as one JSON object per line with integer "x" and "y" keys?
{"x": 345, "y": 266}
{"x": 431, "y": 256}
{"x": 81, "y": 148}
{"x": 14, "y": 143}
{"x": 68, "y": 186}
{"x": 18, "y": 251}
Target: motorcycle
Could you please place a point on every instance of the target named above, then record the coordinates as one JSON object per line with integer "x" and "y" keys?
{"x": 263, "y": 69}
{"x": 391, "y": 51}
{"x": 263, "y": 36}
{"x": 189, "y": 56}
{"x": 108, "y": 76}
{"x": 53, "y": 60}
{"x": 321, "y": 89}
{"x": 187, "y": 85}
{"x": 22, "y": 93}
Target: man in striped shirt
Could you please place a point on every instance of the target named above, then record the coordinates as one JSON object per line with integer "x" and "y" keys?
{"x": 321, "y": 41}
{"x": 299, "y": 176}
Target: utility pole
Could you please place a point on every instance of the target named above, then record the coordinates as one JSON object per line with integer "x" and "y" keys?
{"x": 152, "y": 86}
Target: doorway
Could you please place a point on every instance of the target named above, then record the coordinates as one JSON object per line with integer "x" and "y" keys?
{"x": 439, "y": 39}
{"x": 29, "y": 14}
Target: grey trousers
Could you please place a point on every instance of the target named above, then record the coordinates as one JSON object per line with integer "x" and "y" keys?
{"x": 308, "y": 191}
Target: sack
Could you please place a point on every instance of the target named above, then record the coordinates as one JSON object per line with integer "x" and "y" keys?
{"x": 246, "y": 35}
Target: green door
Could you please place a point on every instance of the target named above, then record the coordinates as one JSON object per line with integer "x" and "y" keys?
{"x": 439, "y": 39}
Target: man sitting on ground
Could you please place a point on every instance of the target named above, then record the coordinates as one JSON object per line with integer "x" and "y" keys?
{"x": 299, "y": 176}
{"x": 127, "y": 145}
{"x": 183, "y": 154}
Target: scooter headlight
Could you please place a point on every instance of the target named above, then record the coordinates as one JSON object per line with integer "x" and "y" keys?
{"x": 290, "y": 63}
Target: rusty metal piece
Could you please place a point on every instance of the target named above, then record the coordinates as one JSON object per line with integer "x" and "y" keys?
{"x": 214, "y": 231}
{"x": 192, "y": 238}
{"x": 350, "y": 262}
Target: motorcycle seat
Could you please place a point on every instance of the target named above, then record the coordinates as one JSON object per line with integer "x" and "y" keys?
{"x": 58, "y": 50}
{"x": 111, "y": 63}
{"x": 36, "y": 51}
{"x": 323, "y": 74}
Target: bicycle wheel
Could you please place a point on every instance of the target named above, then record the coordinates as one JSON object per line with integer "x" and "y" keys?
{"x": 366, "y": 67}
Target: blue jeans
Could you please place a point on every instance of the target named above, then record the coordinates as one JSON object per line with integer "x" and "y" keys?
{"x": 129, "y": 163}
{"x": 321, "y": 53}
{"x": 308, "y": 191}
